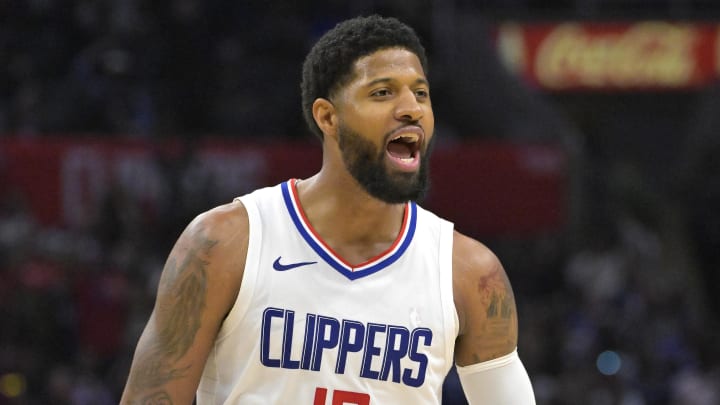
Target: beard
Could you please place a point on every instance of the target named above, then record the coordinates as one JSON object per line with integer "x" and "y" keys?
{"x": 367, "y": 164}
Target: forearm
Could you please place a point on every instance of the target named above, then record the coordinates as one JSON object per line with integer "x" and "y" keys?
{"x": 140, "y": 391}
{"x": 158, "y": 377}
{"x": 501, "y": 381}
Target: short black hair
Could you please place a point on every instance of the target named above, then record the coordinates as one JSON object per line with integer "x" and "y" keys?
{"x": 329, "y": 64}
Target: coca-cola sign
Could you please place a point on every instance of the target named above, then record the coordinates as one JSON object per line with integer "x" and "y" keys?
{"x": 640, "y": 55}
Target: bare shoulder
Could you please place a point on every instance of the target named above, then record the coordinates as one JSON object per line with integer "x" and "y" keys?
{"x": 472, "y": 258}
{"x": 221, "y": 231}
{"x": 218, "y": 238}
{"x": 225, "y": 221}
{"x": 202, "y": 275}
{"x": 484, "y": 301}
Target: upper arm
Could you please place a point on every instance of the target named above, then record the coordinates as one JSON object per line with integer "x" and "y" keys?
{"x": 485, "y": 303}
{"x": 197, "y": 288}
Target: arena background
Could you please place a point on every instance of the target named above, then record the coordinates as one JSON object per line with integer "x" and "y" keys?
{"x": 579, "y": 139}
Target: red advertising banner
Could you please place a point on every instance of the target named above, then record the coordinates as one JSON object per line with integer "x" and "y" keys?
{"x": 612, "y": 56}
{"x": 486, "y": 188}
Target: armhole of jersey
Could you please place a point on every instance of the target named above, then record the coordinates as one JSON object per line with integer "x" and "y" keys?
{"x": 247, "y": 284}
{"x": 446, "y": 282}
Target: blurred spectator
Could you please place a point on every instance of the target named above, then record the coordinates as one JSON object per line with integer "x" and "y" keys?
{"x": 698, "y": 187}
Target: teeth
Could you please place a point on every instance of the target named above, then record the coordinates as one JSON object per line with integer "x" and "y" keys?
{"x": 407, "y": 138}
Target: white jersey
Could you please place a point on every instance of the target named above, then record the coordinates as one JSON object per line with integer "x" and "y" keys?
{"x": 308, "y": 328}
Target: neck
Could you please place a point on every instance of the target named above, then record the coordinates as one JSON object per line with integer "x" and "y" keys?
{"x": 332, "y": 199}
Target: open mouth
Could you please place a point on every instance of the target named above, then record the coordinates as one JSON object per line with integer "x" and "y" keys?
{"x": 404, "y": 148}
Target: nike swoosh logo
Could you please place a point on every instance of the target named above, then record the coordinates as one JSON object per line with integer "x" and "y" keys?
{"x": 284, "y": 267}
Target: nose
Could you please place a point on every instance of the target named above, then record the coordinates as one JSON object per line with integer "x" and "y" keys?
{"x": 408, "y": 107}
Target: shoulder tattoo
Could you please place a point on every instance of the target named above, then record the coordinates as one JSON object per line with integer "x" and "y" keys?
{"x": 497, "y": 331}
{"x": 179, "y": 314}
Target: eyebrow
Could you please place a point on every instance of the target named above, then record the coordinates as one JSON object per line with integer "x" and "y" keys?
{"x": 419, "y": 80}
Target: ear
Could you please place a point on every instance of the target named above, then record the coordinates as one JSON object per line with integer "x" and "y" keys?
{"x": 325, "y": 116}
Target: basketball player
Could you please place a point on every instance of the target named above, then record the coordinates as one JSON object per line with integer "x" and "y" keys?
{"x": 339, "y": 288}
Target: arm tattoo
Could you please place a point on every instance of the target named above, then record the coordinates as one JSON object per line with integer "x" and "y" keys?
{"x": 499, "y": 305}
{"x": 160, "y": 398}
{"x": 185, "y": 289}
{"x": 496, "y": 294}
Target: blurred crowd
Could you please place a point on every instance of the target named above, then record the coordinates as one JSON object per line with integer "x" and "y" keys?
{"x": 619, "y": 307}
{"x": 142, "y": 68}
{"x": 183, "y": 67}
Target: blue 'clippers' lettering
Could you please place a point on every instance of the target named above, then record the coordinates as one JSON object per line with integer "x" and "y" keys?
{"x": 381, "y": 352}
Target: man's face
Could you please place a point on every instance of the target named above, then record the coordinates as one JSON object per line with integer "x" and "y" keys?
{"x": 386, "y": 125}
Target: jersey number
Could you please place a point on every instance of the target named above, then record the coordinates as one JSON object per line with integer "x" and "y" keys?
{"x": 340, "y": 397}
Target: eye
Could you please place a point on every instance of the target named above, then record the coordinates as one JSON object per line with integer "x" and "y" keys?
{"x": 422, "y": 93}
{"x": 381, "y": 93}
